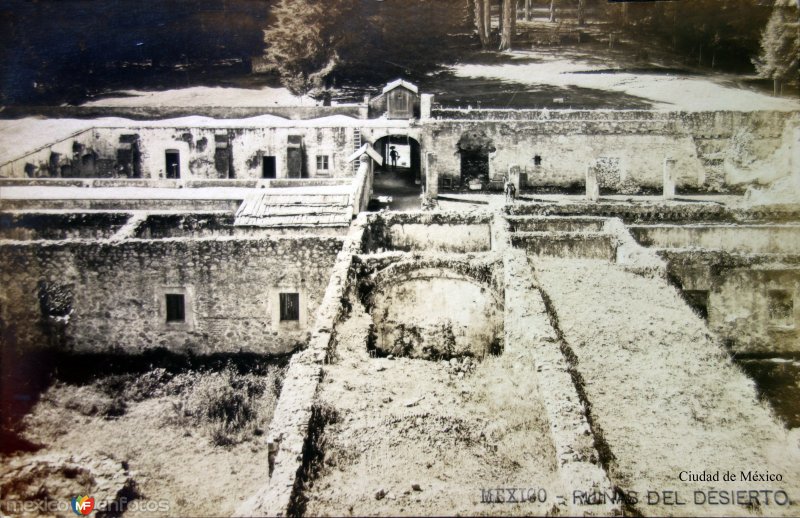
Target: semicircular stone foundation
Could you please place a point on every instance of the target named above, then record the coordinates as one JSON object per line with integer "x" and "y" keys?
{"x": 435, "y": 314}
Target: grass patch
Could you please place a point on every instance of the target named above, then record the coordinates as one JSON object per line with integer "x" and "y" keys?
{"x": 230, "y": 403}
{"x": 228, "y": 406}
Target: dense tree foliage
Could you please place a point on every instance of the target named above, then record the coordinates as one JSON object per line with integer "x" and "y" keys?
{"x": 779, "y": 59}
{"x": 304, "y": 39}
{"x": 713, "y": 33}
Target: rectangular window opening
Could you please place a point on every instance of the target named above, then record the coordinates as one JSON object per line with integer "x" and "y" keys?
{"x": 176, "y": 309}
{"x": 290, "y": 307}
{"x": 322, "y": 162}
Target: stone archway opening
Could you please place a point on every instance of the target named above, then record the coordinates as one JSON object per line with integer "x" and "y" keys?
{"x": 399, "y": 178}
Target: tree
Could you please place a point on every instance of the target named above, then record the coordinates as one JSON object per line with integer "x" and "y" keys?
{"x": 581, "y": 12}
{"x": 552, "y": 10}
{"x": 480, "y": 23}
{"x": 780, "y": 46}
{"x": 487, "y": 16}
{"x": 302, "y": 41}
{"x": 509, "y": 16}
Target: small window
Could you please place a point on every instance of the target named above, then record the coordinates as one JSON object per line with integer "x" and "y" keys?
{"x": 537, "y": 160}
{"x": 176, "y": 309}
{"x": 780, "y": 307}
{"x": 269, "y": 170}
{"x": 322, "y": 162}
{"x": 173, "y": 163}
{"x": 290, "y": 306}
{"x": 447, "y": 183}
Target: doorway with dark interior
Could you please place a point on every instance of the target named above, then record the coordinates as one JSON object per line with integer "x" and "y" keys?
{"x": 269, "y": 168}
{"x": 173, "y": 163}
{"x": 475, "y": 146}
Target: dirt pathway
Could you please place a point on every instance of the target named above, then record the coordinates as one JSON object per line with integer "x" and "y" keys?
{"x": 417, "y": 437}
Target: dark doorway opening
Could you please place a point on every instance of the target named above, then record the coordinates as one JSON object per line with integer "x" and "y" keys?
{"x": 269, "y": 167}
{"x": 295, "y": 162}
{"x": 474, "y": 166}
{"x": 474, "y": 146}
{"x": 173, "y": 163}
{"x": 295, "y": 158}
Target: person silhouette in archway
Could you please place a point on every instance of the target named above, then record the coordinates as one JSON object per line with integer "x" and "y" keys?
{"x": 393, "y": 155}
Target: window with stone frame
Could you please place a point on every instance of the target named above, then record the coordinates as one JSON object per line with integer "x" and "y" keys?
{"x": 290, "y": 307}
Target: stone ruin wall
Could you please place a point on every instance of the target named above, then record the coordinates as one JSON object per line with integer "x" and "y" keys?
{"x": 205, "y": 153}
{"x": 109, "y": 294}
{"x": 713, "y": 151}
{"x": 749, "y": 324}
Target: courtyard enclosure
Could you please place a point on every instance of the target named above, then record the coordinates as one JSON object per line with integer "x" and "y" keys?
{"x": 244, "y": 283}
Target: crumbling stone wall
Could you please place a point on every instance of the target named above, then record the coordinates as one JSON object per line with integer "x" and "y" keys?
{"x": 31, "y": 226}
{"x": 691, "y": 212}
{"x": 78, "y": 156}
{"x": 431, "y": 231}
{"x": 780, "y": 239}
{"x": 434, "y": 314}
{"x": 215, "y": 224}
{"x": 713, "y": 151}
{"x": 566, "y": 149}
{"x": 118, "y": 287}
{"x": 205, "y": 152}
{"x": 554, "y": 148}
{"x": 767, "y": 319}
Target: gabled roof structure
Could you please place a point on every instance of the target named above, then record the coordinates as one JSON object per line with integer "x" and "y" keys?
{"x": 398, "y": 83}
{"x": 368, "y": 150}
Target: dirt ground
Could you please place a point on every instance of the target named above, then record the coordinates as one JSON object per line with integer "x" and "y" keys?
{"x": 180, "y": 465}
{"x": 665, "y": 397}
{"x": 416, "y": 437}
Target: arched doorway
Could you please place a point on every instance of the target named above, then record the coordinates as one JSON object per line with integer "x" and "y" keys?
{"x": 474, "y": 146}
{"x": 400, "y": 176}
